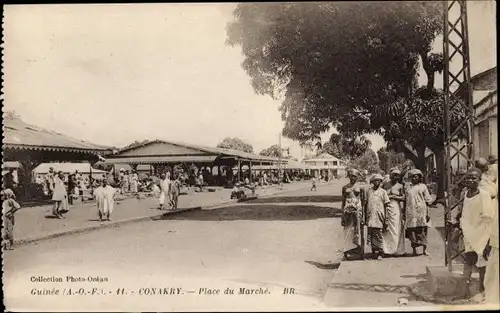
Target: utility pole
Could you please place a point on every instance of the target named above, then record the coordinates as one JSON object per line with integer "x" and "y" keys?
{"x": 458, "y": 138}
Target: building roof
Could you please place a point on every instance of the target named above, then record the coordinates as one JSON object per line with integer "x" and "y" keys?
{"x": 160, "y": 151}
{"x": 23, "y": 136}
{"x": 82, "y": 168}
{"x": 323, "y": 157}
{"x": 482, "y": 83}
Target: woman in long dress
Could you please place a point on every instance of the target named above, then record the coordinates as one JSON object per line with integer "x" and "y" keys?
{"x": 134, "y": 182}
{"x": 417, "y": 217}
{"x": 393, "y": 237}
{"x": 59, "y": 196}
{"x": 352, "y": 220}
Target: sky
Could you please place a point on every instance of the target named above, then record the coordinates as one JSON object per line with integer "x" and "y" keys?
{"x": 113, "y": 74}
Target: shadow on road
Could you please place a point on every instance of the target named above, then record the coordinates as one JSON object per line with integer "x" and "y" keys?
{"x": 259, "y": 213}
{"x": 321, "y": 266}
{"x": 312, "y": 198}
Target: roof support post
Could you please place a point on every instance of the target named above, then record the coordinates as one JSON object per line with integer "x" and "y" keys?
{"x": 239, "y": 170}
{"x": 250, "y": 171}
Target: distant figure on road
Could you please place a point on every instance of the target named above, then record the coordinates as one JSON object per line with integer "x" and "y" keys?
{"x": 49, "y": 178}
{"x": 313, "y": 181}
{"x": 417, "y": 218}
{"x": 134, "y": 182}
{"x": 200, "y": 181}
{"x": 394, "y": 237}
{"x": 71, "y": 188}
{"x": 165, "y": 189}
{"x": 376, "y": 214}
{"x": 59, "y": 196}
{"x": 9, "y": 208}
{"x": 175, "y": 190}
{"x": 352, "y": 219}
{"x": 105, "y": 200}
{"x": 156, "y": 190}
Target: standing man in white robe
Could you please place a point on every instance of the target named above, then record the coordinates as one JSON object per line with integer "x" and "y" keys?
{"x": 105, "y": 200}
{"x": 165, "y": 189}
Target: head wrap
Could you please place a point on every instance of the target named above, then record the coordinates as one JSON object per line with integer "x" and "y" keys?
{"x": 415, "y": 171}
{"x": 395, "y": 170}
{"x": 8, "y": 193}
{"x": 462, "y": 171}
{"x": 376, "y": 177}
{"x": 354, "y": 172}
{"x": 476, "y": 171}
{"x": 482, "y": 163}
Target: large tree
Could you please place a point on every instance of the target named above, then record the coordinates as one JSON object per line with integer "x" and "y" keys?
{"x": 235, "y": 144}
{"x": 346, "y": 148}
{"x": 348, "y": 65}
{"x": 273, "y": 151}
{"x": 366, "y": 161}
{"x": 389, "y": 159}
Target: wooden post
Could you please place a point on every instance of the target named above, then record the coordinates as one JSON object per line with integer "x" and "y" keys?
{"x": 239, "y": 170}
{"x": 250, "y": 171}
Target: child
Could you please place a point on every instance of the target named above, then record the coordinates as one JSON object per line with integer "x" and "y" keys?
{"x": 313, "y": 184}
{"x": 417, "y": 218}
{"x": 9, "y": 207}
{"x": 376, "y": 214}
{"x": 175, "y": 190}
{"x": 475, "y": 220}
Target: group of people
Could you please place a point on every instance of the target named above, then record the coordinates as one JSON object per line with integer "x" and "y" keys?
{"x": 167, "y": 191}
{"x": 390, "y": 211}
{"x": 129, "y": 181}
{"x": 394, "y": 210}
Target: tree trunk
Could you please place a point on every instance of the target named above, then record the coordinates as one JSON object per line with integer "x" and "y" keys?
{"x": 420, "y": 161}
{"x": 428, "y": 71}
{"x": 441, "y": 172}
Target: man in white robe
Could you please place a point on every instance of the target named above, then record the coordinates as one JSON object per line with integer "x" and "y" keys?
{"x": 105, "y": 201}
{"x": 165, "y": 189}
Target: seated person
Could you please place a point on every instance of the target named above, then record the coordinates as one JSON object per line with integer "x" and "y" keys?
{"x": 237, "y": 192}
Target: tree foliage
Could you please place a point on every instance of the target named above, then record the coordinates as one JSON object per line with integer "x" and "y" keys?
{"x": 272, "y": 151}
{"x": 349, "y": 65}
{"x": 275, "y": 152}
{"x": 389, "y": 159}
{"x": 367, "y": 161}
{"x": 236, "y": 144}
{"x": 346, "y": 148}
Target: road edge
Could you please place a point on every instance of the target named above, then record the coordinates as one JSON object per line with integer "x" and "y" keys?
{"x": 77, "y": 231}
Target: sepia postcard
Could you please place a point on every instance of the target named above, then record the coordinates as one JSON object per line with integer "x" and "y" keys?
{"x": 286, "y": 156}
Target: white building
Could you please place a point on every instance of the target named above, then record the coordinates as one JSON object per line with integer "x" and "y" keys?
{"x": 485, "y": 119}
{"x": 69, "y": 168}
{"x": 325, "y": 165}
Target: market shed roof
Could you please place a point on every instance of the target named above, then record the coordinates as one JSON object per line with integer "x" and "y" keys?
{"x": 22, "y": 136}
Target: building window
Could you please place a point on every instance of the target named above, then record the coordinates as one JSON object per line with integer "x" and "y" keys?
{"x": 326, "y": 163}
{"x": 335, "y": 163}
